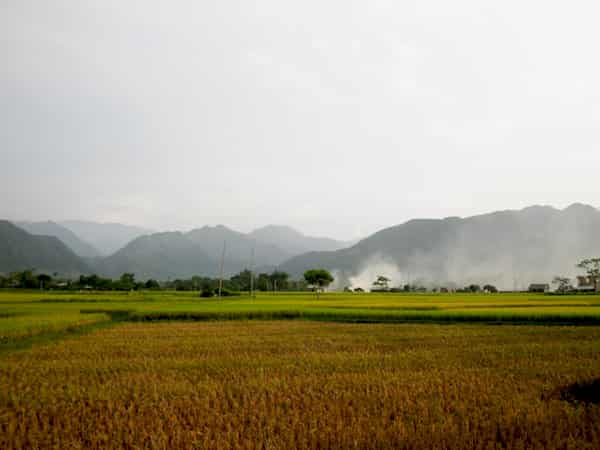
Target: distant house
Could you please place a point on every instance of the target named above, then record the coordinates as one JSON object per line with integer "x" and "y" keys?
{"x": 539, "y": 287}
{"x": 588, "y": 284}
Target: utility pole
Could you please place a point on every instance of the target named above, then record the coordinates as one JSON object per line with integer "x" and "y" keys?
{"x": 252, "y": 272}
{"x": 221, "y": 271}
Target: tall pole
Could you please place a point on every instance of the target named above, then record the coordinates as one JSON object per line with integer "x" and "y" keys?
{"x": 221, "y": 272}
{"x": 252, "y": 272}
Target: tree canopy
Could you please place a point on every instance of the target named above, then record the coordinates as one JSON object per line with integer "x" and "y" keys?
{"x": 591, "y": 266}
{"x": 318, "y": 279}
{"x": 381, "y": 283}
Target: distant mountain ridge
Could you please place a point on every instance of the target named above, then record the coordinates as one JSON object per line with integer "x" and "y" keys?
{"x": 175, "y": 254}
{"x": 107, "y": 238}
{"x": 161, "y": 256}
{"x": 507, "y": 248}
{"x": 199, "y": 251}
{"x": 20, "y": 250}
{"x": 293, "y": 242}
{"x": 66, "y": 236}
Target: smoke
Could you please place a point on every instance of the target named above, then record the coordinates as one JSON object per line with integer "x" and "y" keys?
{"x": 509, "y": 249}
{"x": 375, "y": 266}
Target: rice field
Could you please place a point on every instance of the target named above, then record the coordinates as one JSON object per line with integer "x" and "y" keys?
{"x": 24, "y": 315}
{"x": 171, "y": 370}
{"x": 302, "y": 384}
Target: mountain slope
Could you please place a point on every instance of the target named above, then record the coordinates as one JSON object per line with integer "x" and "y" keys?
{"x": 507, "y": 248}
{"x": 199, "y": 252}
{"x": 159, "y": 256}
{"x": 66, "y": 236}
{"x": 292, "y": 241}
{"x": 239, "y": 247}
{"x": 105, "y": 237}
{"x": 20, "y": 250}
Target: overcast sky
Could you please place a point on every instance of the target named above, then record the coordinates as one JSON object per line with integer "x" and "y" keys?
{"x": 336, "y": 117}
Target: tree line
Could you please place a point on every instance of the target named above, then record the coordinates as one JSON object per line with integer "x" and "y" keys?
{"x": 243, "y": 281}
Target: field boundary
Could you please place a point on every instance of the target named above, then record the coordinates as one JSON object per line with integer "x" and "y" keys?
{"x": 348, "y": 317}
{"x": 11, "y": 345}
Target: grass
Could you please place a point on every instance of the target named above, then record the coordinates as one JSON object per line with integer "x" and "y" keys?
{"x": 24, "y": 315}
{"x": 300, "y": 384}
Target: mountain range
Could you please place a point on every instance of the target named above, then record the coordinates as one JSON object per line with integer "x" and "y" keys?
{"x": 20, "y": 250}
{"x": 65, "y": 235}
{"x": 106, "y": 237}
{"x": 175, "y": 254}
{"x": 507, "y": 248}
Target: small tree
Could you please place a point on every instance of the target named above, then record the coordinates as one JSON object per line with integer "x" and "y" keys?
{"x": 563, "y": 284}
{"x": 318, "y": 279}
{"x": 207, "y": 290}
{"x": 490, "y": 288}
{"x": 473, "y": 288}
{"x": 381, "y": 283}
{"x": 44, "y": 280}
{"x": 262, "y": 282}
{"x": 592, "y": 268}
{"x": 152, "y": 284}
{"x": 278, "y": 280}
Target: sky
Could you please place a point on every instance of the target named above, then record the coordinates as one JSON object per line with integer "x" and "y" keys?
{"x": 338, "y": 118}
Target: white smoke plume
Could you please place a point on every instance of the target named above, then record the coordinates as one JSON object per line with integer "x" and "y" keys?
{"x": 375, "y": 266}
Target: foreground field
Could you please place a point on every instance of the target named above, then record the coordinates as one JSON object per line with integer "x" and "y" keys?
{"x": 26, "y": 315}
{"x": 299, "y": 384}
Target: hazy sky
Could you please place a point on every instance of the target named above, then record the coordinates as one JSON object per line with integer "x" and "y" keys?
{"x": 336, "y": 117}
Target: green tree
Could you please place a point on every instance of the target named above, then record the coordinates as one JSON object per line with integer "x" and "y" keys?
{"x": 473, "y": 288}
{"x": 563, "y": 284}
{"x": 127, "y": 281}
{"x": 241, "y": 281}
{"x": 278, "y": 280}
{"x": 151, "y": 284}
{"x": 263, "y": 281}
{"x": 490, "y": 288}
{"x": 27, "y": 280}
{"x": 318, "y": 279}
{"x": 592, "y": 269}
{"x": 44, "y": 280}
{"x": 207, "y": 290}
{"x": 381, "y": 283}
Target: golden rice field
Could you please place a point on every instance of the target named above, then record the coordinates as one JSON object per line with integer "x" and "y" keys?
{"x": 29, "y": 314}
{"x": 302, "y": 384}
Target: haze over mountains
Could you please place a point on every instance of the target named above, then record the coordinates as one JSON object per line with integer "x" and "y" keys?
{"x": 20, "y": 250}
{"x": 106, "y": 237}
{"x": 506, "y": 248}
{"x": 176, "y": 254}
{"x": 66, "y": 236}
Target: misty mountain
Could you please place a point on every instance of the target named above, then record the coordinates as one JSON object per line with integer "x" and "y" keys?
{"x": 293, "y": 242}
{"x": 20, "y": 250}
{"x": 507, "y": 248}
{"x": 198, "y": 252}
{"x": 105, "y": 237}
{"x": 160, "y": 256}
{"x": 238, "y": 247}
{"x": 67, "y": 237}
